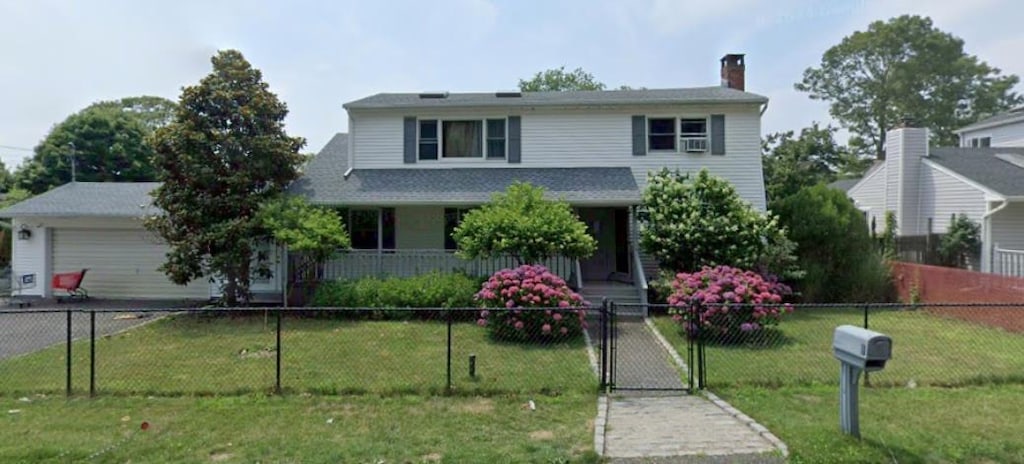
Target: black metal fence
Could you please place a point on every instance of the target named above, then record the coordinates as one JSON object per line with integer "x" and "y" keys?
{"x": 303, "y": 350}
{"x": 946, "y": 345}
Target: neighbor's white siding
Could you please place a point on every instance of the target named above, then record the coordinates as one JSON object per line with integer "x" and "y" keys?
{"x": 30, "y": 257}
{"x": 1010, "y": 135}
{"x": 597, "y": 137}
{"x": 943, "y": 195}
{"x": 1008, "y": 227}
{"x": 419, "y": 227}
{"x": 869, "y": 196}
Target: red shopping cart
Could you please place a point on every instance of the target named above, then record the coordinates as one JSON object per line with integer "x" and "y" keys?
{"x": 70, "y": 282}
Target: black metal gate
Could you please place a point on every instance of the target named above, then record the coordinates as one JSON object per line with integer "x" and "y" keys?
{"x": 633, "y": 359}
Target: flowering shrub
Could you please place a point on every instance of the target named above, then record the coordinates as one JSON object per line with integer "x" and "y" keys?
{"x": 724, "y": 303}
{"x": 507, "y": 294}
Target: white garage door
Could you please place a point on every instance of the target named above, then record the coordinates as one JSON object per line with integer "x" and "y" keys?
{"x": 122, "y": 263}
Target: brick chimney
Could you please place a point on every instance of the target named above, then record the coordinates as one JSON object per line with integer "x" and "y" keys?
{"x": 733, "y": 71}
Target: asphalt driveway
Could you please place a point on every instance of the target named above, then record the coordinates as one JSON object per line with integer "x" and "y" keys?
{"x": 37, "y": 328}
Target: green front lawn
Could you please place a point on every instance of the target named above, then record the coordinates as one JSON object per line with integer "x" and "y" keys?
{"x": 927, "y": 350}
{"x": 978, "y": 424}
{"x": 184, "y": 355}
{"x": 302, "y": 428}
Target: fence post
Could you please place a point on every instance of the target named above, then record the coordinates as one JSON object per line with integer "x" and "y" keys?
{"x": 448, "y": 382}
{"x": 67, "y": 356}
{"x": 277, "y": 374}
{"x": 867, "y": 310}
{"x": 92, "y": 354}
{"x": 604, "y": 343}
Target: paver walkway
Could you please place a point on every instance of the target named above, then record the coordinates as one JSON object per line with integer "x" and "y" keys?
{"x": 668, "y": 427}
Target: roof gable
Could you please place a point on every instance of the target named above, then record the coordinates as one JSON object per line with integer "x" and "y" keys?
{"x": 982, "y": 166}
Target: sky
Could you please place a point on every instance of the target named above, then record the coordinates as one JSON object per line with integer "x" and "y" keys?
{"x": 58, "y": 56}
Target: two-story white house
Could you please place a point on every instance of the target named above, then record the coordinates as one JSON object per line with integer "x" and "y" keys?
{"x": 412, "y": 164}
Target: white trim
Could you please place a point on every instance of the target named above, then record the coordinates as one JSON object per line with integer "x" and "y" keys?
{"x": 990, "y": 195}
{"x": 440, "y": 120}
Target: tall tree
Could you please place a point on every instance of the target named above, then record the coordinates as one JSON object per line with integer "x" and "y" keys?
{"x": 559, "y": 80}
{"x": 107, "y": 139}
{"x": 6, "y": 178}
{"x": 792, "y": 162}
{"x": 906, "y": 68}
{"x": 223, "y": 156}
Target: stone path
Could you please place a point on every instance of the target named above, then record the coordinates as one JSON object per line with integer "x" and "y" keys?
{"x": 658, "y": 426}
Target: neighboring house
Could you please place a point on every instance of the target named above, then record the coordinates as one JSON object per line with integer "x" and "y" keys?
{"x": 1002, "y": 130}
{"x": 97, "y": 225}
{"x": 844, "y": 184}
{"x": 925, "y": 186}
{"x": 412, "y": 164}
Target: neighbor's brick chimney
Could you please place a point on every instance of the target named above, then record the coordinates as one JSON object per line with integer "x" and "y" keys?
{"x": 733, "y": 70}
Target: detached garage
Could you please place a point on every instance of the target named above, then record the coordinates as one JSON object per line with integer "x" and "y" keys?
{"x": 95, "y": 226}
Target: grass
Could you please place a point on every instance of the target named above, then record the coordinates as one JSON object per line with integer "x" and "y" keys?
{"x": 927, "y": 350}
{"x": 190, "y": 355}
{"x": 966, "y": 407}
{"x": 977, "y": 424}
{"x": 299, "y": 428}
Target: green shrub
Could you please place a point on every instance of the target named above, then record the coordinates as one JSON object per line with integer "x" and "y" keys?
{"x": 431, "y": 290}
{"x": 961, "y": 242}
{"x": 835, "y": 249}
{"x": 690, "y": 222}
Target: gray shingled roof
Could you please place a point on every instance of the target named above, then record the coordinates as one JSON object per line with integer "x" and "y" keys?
{"x": 105, "y": 199}
{"x": 1017, "y": 114}
{"x": 323, "y": 182}
{"x": 844, "y": 184}
{"x": 982, "y": 166}
{"x": 693, "y": 95}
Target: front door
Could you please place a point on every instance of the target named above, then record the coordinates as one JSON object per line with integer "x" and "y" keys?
{"x": 602, "y": 225}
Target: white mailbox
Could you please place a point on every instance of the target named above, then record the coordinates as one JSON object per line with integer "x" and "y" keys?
{"x": 858, "y": 350}
{"x": 861, "y": 348}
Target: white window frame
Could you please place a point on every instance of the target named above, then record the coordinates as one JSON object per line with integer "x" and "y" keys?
{"x": 691, "y": 135}
{"x": 680, "y": 145}
{"x": 483, "y": 157}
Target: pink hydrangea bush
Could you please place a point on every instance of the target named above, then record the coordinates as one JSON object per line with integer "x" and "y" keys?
{"x": 726, "y": 303}
{"x": 508, "y": 294}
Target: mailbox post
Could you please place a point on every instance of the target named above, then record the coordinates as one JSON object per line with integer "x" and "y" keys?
{"x": 858, "y": 350}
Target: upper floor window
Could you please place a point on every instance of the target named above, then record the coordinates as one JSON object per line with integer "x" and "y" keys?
{"x": 661, "y": 134}
{"x": 440, "y": 138}
{"x": 981, "y": 142}
{"x": 677, "y": 134}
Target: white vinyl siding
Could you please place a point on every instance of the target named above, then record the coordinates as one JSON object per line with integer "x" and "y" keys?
{"x": 1008, "y": 227}
{"x": 869, "y": 195}
{"x": 30, "y": 257}
{"x": 943, "y": 195}
{"x": 419, "y": 227}
{"x": 1010, "y": 135}
{"x": 593, "y": 137}
{"x": 122, "y": 263}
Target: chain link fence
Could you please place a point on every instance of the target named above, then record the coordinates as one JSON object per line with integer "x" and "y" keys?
{"x": 157, "y": 351}
{"x": 946, "y": 345}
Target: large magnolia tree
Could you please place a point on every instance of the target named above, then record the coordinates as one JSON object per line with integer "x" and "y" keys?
{"x": 223, "y": 157}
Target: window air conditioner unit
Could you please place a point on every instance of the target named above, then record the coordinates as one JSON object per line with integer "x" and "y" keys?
{"x": 695, "y": 144}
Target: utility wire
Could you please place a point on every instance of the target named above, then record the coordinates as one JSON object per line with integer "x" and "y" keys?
{"x": 8, "y": 147}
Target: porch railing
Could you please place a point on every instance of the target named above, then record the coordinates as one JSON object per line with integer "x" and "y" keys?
{"x": 1007, "y": 262}
{"x": 353, "y": 264}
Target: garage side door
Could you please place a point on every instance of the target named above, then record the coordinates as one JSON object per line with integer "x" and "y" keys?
{"x": 122, "y": 263}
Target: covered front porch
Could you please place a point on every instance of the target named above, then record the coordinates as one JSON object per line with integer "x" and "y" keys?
{"x": 401, "y": 220}
{"x": 404, "y": 241}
